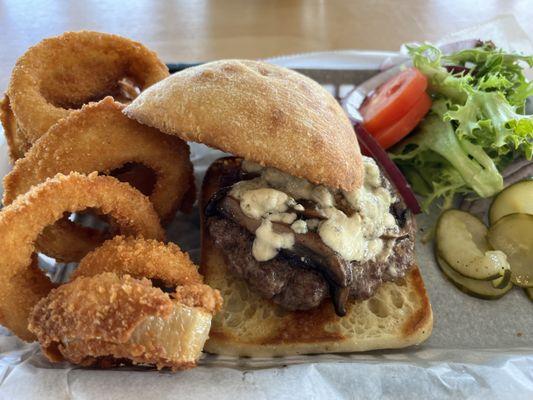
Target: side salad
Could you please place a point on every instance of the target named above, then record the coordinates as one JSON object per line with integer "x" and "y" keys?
{"x": 452, "y": 123}
{"x": 473, "y": 127}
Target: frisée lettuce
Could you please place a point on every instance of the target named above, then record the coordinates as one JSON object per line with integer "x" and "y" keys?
{"x": 476, "y": 125}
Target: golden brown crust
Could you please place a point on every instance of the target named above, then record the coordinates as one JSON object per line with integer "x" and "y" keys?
{"x": 95, "y": 352}
{"x": 261, "y": 112}
{"x": 96, "y": 317}
{"x": 109, "y": 319}
{"x": 66, "y": 71}
{"x": 100, "y": 138}
{"x": 108, "y": 307}
{"x": 198, "y": 295}
{"x": 15, "y": 139}
{"x": 422, "y": 318}
{"x": 140, "y": 258}
{"x": 67, "y": 241}
{"x": 164, "y": 263}
{"x": 254, "y": 326}
{"x": 23, "y": 220}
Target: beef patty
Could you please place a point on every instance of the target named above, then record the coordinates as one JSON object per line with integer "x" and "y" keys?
{"x": 303, "y": 277}
{"x": 292, "y": 284}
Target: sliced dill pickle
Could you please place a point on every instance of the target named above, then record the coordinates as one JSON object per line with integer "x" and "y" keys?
{"x": 473, "y": 287}
{"x": 516, "y": 198}
{"x": 503, "y": 280}
{"x": 461, "y": 242}
{"x": 513, "y": 234}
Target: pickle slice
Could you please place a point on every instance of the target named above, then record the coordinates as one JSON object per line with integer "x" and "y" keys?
{"x": 513, "y": 234}
{"x": 529, "y": 293}
{"x": 481, "y": 289}
{"x": 516, "y": 198}
{"x": 503, "y": 280}
{"x": 461, "y": 242}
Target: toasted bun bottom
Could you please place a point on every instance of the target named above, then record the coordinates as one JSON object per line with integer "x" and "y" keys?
{"x": 398, "y": 315}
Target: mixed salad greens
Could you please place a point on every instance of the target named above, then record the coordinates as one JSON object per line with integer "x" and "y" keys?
{"x": 476, "y": 125}
{"x": 453, "y": 123}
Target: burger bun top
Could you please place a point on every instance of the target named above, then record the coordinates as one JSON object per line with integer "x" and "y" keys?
{"x": 264, "y": 113}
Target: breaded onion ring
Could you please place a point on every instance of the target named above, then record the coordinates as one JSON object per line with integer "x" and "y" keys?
{"x": 16, "y": 142}
{"x": 100, "y": 138}
{"x": 106, "y": 319}
{"x": 64, "y": 72}
{"x": 141, "y": 258}
{"x": 165, "y": 264}
{"x": 21, "y": 286}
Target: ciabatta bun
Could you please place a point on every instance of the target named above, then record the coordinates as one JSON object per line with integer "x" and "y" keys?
{"x": 261, "y": 112}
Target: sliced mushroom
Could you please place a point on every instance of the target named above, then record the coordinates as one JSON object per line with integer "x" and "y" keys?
{"x": 340, "y": 299}
{"x": 310, "y": 211}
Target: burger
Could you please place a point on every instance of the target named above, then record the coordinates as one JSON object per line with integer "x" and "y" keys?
{"x": 308, "y": 242}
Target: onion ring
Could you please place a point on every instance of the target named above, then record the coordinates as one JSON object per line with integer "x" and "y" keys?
{"x": 141, "y": 258}
{"x": 21, "y": 222}
{"x": 109, "y": 311}
{"x": 100, "y": 138}
{"x": 107, "y": 319}
{"x": 16, "y": 142}
{"x": 64, "y": 72}
{"x": 165, "y": 264}
{"x": 45, "y": 95}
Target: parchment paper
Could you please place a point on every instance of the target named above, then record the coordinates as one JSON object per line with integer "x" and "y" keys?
{"x": 479, "y": 349}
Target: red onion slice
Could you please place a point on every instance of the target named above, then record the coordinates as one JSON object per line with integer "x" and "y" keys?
{"x": 457, "y": 69}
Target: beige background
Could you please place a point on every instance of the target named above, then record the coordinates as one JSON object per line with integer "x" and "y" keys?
{"x": 182, "y": 30}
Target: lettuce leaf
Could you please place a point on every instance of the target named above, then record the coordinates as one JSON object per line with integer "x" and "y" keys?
{"x": 459, "y": 163}
{"x": 476, "y": 125}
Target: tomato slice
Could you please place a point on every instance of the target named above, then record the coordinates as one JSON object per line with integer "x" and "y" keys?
{"x": 394, "y": 133}
{"x": 393, "y": 99}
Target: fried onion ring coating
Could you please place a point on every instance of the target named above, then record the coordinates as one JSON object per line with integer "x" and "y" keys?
{"x": 199, "y": 295}
{"x": 100, "y": 138}
{"x": 141, "y": 258}
{"x": 164, "y": 264}
{"x": 21, "y": 222}
{"x": 16, "y": 142}
{"x": 109, "y": 318}
{"x": 64, "y": 72}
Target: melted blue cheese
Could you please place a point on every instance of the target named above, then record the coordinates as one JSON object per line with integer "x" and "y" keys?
{"x": 355, "y": 238}
{"x": 299, "y": 226}
{"x": 257, "y": 203}
{"x": 267, "y": 242}
{"x": 358, "y": 237}
{"x": 270, "y": 205}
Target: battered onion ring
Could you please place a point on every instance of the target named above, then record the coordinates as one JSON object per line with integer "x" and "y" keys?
{"x": 64, "y": 72}
{"x": 141, "y": 258}
{"x": 100, "y": 138}
{"x": 16, "y": 141}
{"x": 104, "y": 314}
{"x": 21, "y": 286}
{"x": 164, "y": 264}
{"x": 106, "y": 319}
